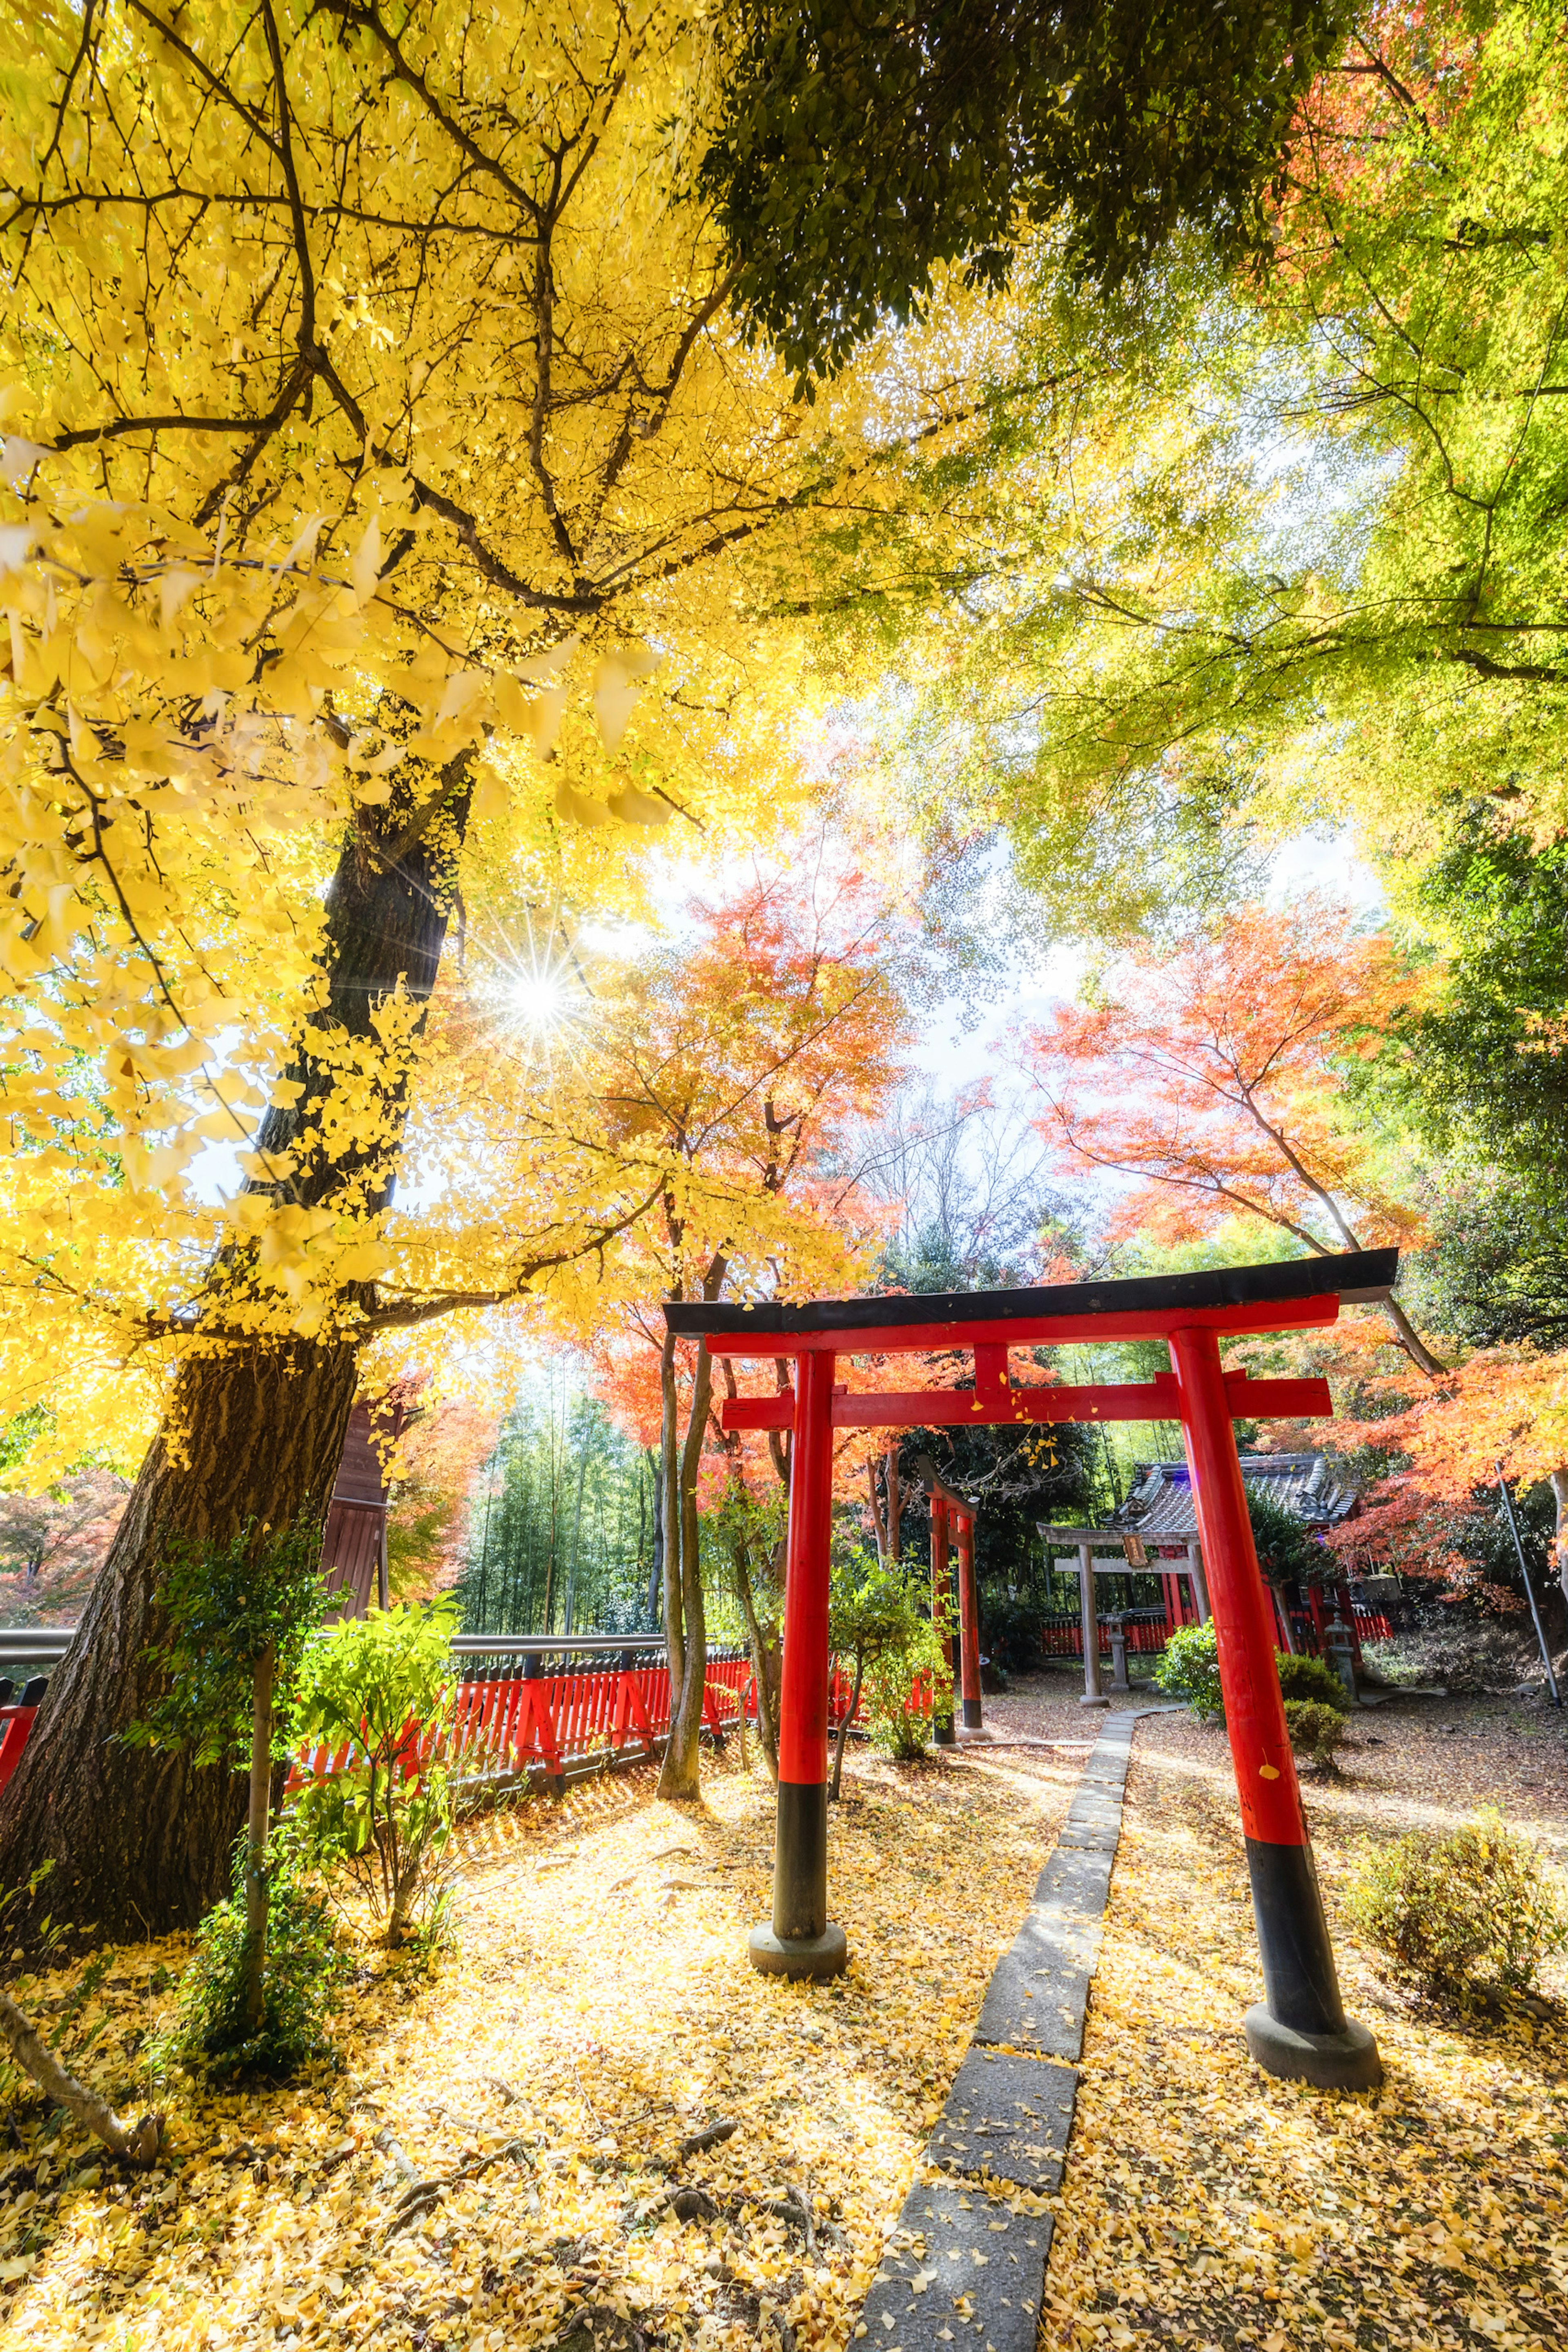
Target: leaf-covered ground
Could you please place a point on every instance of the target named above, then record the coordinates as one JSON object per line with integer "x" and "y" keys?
{"x": 597, "y": 2010}
{"x": 1207, "y": 2205}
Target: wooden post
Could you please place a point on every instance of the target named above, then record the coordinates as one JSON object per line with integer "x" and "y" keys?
{"x": 1300, "y": 2029}
{"x": 969, "y": 1622}
{"x": 801, "y": 1942}
{"x": 1200, "y": 1583}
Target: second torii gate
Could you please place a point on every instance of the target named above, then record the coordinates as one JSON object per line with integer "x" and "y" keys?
{"x": 1300, "y": 2029}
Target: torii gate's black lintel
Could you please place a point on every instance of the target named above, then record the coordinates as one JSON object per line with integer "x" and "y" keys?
{"x": 1356, "y": 1277}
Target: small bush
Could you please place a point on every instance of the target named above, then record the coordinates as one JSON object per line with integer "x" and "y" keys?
{"x": 1311, "y": 1679}
{"x": 1189, "y": 1670}
{"x": 1316, "y": 1729}
{"x": 909, "y": 1667}
{"x": 305, "y": 1967}
{"x": 382, "y": 1681}
{"x": 1464, "y": 1915}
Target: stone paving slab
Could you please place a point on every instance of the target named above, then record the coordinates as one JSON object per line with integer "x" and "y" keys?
{"x": 1007, "y": 2115}
{"x": 962, "y": 2271}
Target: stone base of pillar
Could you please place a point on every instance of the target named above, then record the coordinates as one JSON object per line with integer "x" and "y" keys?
{"x": 1087, "y": 1701}
{"x": 799, "y": 1956}
{"x": 1334, "y": 2062}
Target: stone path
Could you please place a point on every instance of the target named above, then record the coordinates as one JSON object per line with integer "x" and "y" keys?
{"x": 962, "y": 2269}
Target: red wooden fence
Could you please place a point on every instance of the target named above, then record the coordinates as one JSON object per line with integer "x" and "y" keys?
{"x": 556, "y": 1721}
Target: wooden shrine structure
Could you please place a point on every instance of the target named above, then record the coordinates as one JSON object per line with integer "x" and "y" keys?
{"x": 1300, "y": 2029}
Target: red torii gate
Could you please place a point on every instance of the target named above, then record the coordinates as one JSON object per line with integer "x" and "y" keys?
{"x": 1300, "y": 2029}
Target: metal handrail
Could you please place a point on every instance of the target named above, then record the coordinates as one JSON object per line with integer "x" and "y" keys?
{"x": 48, "y": 1645}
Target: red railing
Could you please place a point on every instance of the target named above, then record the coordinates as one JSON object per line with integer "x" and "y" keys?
{"x": 554, "y": 1722}
{"x": 16, "y": 1723}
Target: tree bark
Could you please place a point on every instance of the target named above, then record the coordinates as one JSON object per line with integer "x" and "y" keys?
{"x": 766, "y": 1662}
{"x": 1558, "y": 1483}
{"x": 139, "y": 1838}
{"x": 138, "y": 2142}
{"x": 842, "y": 1740}
{"x": 685, "y": 1622}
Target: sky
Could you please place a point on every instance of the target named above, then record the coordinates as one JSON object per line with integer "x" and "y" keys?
{"x": 954, "y": 1057}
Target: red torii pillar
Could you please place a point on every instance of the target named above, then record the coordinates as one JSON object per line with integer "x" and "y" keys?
{"x": 969, "y": 1622}
{"x": 941, "y": 1606}
{"x": 1300, "y": 2030}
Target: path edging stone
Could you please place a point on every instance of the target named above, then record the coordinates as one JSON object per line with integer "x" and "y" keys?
{"x": 962, "y": 2268}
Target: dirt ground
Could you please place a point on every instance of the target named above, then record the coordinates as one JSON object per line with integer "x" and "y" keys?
{"x": 597, "y": 2009}
{"x": 1207, "y": 2205}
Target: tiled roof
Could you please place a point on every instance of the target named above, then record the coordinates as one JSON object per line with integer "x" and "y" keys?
{"x": 1161, "y": 1507}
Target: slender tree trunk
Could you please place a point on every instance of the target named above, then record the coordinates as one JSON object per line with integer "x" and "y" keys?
{"x": 656, "y": 1567}
{"x": 766, "y": 1662}
{"x": 141, "y": 1838}
{"x": 256, "y": 1887}
{"x": 685, "y": 1624}
{"x": 570, "y": 1625}
{"x": 842, "y": 1740}
{"x": 138, "y": 2142}
{"x": 1559, "y": 1482}
{"x": 894, "y": 1501}
{"x": 878, "y": 1526}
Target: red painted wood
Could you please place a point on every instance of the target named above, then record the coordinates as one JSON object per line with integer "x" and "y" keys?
{"x": 989, "y": 1403}
{"x": 803, "y": 1691}
{"x": 19, "y": 1723}
{"x": 968, "y": 1608}
{"x": 1243, "y": 1616}
{"x": 1132, "y": 1323}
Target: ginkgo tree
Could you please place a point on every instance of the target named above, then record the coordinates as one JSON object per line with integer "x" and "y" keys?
{"x": 391, "y": 528}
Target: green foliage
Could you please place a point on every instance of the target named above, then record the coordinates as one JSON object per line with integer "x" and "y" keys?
{"x": 1464, "y": 1915}
{"x": 876, "y": 1623}
{"x": 305, "y": 1967}
{"x": 383, "y": 1683}
{"x": 1285, "y": 1549}
{"x": 1316, "y": 1729}
{"x": 1189, "y": 1670}
{"x": 1311, "y": 1680}
{"x": 1478, "y": 1061}
{"x": 227, "y": 1605}
{"x": 562, "y": 1534}
{"x": 860, "y": 149}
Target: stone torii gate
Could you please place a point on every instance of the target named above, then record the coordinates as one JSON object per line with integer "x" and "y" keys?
{"x": 1300, "y": 2029}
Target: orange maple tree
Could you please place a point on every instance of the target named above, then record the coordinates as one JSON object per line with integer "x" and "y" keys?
{"x": 1212, "y": 1077}
{"x": 737, "y": 1064}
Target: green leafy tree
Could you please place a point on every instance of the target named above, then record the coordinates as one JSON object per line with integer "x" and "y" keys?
{"x": 860, "y": 149}
{"x": 1304, "y": 556}
{"x": 241, "y": 1615}
{"x": 875, "y": 1627}
{"x": 384, "y": 1688}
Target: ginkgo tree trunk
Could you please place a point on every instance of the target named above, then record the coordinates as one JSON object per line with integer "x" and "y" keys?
{"x": 373, "y": 435}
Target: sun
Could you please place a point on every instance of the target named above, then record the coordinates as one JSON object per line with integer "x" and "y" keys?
{"x": 535, "y": 996}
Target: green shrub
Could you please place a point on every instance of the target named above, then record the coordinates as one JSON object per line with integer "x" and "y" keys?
{"x": 381, "y": 1681}
{"x": 905, "y": 1662}
{"x": 1189, "y": 1670}
{"x": 1311, "y": 1679}
{"x": 1316, "y": 1729}
{"x": 1467, "y": 1914}
{"x": 305, "y": 1967}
